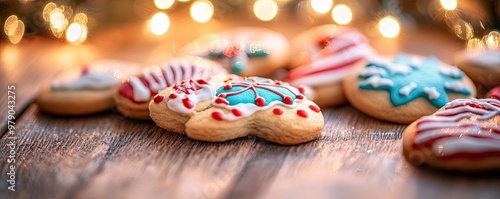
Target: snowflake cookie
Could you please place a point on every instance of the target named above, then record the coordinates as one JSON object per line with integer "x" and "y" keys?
{"x": 218, "y": 112}
{"x": 406, "y": 88}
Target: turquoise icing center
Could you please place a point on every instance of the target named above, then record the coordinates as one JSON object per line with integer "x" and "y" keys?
{"x": 423, "y": 75}
{"x": 264, "y": 89}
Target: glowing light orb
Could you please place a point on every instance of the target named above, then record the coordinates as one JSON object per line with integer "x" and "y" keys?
{"x": 342, "y": 14}
{"x": 202, "y": 11}
{"x": 449, "y": 4}
{"x": 321, "y": 6}
{"x": 164, "y": 4}
{"x": 265, "y": 10}
{"x": 389, "y": 27}
{"x": 14, "y": 29}
{"x": 159, "y": 24}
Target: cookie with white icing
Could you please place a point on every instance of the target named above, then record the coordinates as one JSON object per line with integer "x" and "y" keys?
{"x": 406, "y": 88}
{"x": 85, "y": 91}
{"x": 218, "y": 112}
{"x": 482, "y": 66}
{"x": 246, "y": 51}
{"x": 322, "y": 58}
{"x": 464, "y": 135}
{"x": 133, "y": 96}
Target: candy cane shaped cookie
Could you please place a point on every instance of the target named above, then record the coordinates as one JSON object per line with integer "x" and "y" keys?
{"x": 133, "y": 96}
{"x": 90, "y": 91}
{"x": 323, "y": 56}
{"x": 463, "y": 135}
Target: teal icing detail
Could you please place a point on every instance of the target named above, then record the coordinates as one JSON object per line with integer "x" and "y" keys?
{"x": 255, "y": 51}
{"x": 242, "y": 92}
{"x": 427, "y": 73}
{"x": 240, "y": 61}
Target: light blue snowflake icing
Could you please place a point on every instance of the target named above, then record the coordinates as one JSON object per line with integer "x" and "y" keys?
{"x": 249, "y": 90}
{"x": 408, "y": 78}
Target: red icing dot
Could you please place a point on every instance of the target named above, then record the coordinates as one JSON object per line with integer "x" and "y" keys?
{"x": 202, "y": 81}
{"x": 277, "y": 82}
{"x": 278, "y": 111}
{"x": 223, "y": 95}
{"x": 158, "y": 98}
{"x": 302, "y": 113}
{"x": 172, "y": 96}
{"x": 227, "y": 87}
{"x": 288, "y": 100}
{"x": 314, "y": 108}
{"x": 187, "y": 103}
{"x": 218, "y": 115}
{"x": 221, "y": 100}
{"x": 85, "y": 69}
{"x": 259, "y": 101}
{"x": 237, "y": 112}
{"x": 302, "y": 89}
{"x": 301, "y": 97}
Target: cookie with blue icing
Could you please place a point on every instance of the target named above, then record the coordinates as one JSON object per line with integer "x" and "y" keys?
{"x": 218, "y": 112}
{"x": 405, "y": 88}
{"x": 248, "y": 51}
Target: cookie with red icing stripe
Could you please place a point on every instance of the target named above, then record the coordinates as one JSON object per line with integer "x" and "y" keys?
{"x": 218, "y": 112}
{"x": 87, "y": 90}
{"x": 133, "y": 96}
{"x": 463, "y": 135}
{"x": 494, "y": 93}
{"x": 324, "y": 55}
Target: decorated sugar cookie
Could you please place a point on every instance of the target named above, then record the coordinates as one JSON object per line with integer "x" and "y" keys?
{"x": 86, "y": 91}
{"x": 482, "y": 66}
{"x": 243, "y": 51}
{"x": 463, "y": 135}
{"x": 218, "y": 112}
{"x": 406, "y": 88}
{"x": 494, "y": 93}
{"x": 133, "y": 96}
{"x": 322, "y": 58}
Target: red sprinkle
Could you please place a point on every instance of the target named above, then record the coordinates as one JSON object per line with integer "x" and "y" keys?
{"x": 302, "y": 89}
{"x": 228, "y": 86}
{"x": 221, "y": 100}
{"x": 314, "y": 108}
{"x": 218, "y": 115}
{"x": 223, "y": 95}
{"x": 277, "y": 82}
{"x": 301, "y": 97}
{"x": 302, "y": 113}
{"x": 288, "y": 100}
{"x": 202, "y": 81}
{"x": 172, "y": 96}
{"x": 176, "y": 87}
{"x": 237, "y": 112}
{"x": 278, "y": 111}
{"x": 187, "y": 103}
{"x": 158, "y": 98}
{"x": 259, "y": 101}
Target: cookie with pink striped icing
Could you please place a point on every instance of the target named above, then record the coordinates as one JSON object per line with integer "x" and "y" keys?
{"x": 133, "y": 96}
{"x": 463, "y": 135}
{"x": 218, "y": 112}
{"x": 324, "y": 55}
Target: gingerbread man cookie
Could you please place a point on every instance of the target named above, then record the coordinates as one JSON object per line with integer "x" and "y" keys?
{"x": 464, "y": 135}
{"x": 324, "y": 55}
{"x": 90, "y": 92}
{"x": 243, "y": 51}
{"x": 482, "y": 66}
{"x": 132, "y": 98}
{"x": 405, "y": 89}
{"x": 218, "y": 112}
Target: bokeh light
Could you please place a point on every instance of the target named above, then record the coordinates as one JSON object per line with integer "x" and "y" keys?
{"x": 265, "y": 10}
{"x": 76, "y": 33}
{"x": 159, "y": 23}
{"x": 57, "y": 19}
{"x": 492, "y": 40}
{"x": 202, "y": 11}
{"x": 164, "y": 4}
{"x": 475, "y": 44}
{"x": 14, "y": 29}
{"x": 321, "y": 6}
{"x": 449, "y": 4}
{"x": 47, "y": 9}
{"x": 389, "y": 27}
{"x": 342, "y": 14}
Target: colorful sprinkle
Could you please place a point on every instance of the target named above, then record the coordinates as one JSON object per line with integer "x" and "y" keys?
{"x": 218, "y": 115}
{"x": 237, "y": 112}
{"x": 314, "y": 108}
{"x": 302, "y": 113}
{"x": 187, "y": 103}
{"x": 259, "y": 101}
{"x": 278, "y": 111}
{"x": 221, "y": 100}
{"x": 172, "y": 96}
{"x": 158, "y": 98}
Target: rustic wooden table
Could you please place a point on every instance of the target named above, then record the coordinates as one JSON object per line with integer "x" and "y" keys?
{"x": 109, "y": 156}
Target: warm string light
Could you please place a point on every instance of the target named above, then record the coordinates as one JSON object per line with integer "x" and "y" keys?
{"x": 389, "y": 27}
{"x": 202, "y": 11}
{"x": 159, "y": 23}
{"x": 321, "y": 6}
{"x": 14, "y": 29}
{"x": 342, "y": 14}
{"x": 163, "y": 4}
{"x": 265, "y": 10}
{"x": 449, "y": 4}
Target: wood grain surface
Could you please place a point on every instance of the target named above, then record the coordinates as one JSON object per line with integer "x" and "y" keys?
{"x": 108, "y": 156}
